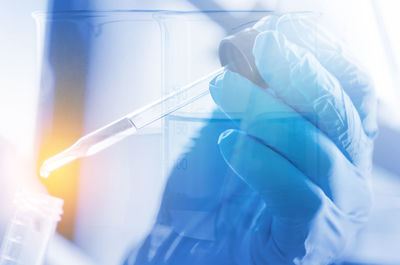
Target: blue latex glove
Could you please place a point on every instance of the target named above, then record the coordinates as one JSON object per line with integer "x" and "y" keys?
{"x": 305, "y": 146}
{"x": 302, "y": 151}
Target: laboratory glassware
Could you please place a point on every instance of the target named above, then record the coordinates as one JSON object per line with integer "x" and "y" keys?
{"x": 31, "y": 228}
{"x": 200, "y": 186}
{"x": 235, "y": 53}
{"x": 95, "y": 66}
{"x": 191, "y": 43}
{"x": 116, "y": 131}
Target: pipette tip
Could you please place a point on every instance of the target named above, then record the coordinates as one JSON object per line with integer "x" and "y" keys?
{"x": 57, "y": 161}
{"x": 44, "y": 173}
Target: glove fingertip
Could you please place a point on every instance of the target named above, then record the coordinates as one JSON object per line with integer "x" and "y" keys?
{"x": 216, "y": 86}
{"x": 231, "y": 92}
{"x": 228, "y": 141}
{"x": 228, "y": 138}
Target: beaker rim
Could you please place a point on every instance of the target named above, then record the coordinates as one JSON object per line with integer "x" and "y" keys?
{"x": 91, "y": 13}
{"x": 164, "y": 15}
{"x": 181, "y": 12}
{"x": 239, "y": 11}
{"x": 129, "y": 11}
{"x": 158, "y": 13}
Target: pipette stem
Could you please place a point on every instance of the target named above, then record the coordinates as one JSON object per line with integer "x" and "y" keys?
{"x": 118, "y": 130}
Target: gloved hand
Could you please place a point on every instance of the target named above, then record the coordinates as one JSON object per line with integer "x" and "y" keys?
{"x": 304, "y": 145}
{"x": 288, "y": 181}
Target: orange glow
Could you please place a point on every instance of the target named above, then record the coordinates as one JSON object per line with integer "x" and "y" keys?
{"x": 63, "y": 182}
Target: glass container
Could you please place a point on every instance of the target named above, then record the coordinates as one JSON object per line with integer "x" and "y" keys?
{"x": 31, "y": 228}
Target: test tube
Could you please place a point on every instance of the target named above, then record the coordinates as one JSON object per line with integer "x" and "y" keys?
{"x": 30, "y": 229}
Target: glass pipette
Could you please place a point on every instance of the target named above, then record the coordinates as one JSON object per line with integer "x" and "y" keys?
{"x": 121, "y": 128}
{"x": 235, "y": 54}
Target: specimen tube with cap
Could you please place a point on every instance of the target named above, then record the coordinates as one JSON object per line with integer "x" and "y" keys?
{"x": 31, "y": 228}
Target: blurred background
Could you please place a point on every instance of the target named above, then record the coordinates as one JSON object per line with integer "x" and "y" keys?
{"x": 111, "y": 198}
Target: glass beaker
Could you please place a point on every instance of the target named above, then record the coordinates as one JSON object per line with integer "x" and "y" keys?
{"x": 192, "y": 163}
{"x": 190, "y": 50}
{"x": 95, "y": 67}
